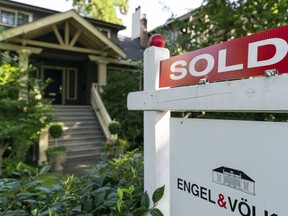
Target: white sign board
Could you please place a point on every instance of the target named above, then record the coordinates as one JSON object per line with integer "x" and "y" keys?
{"x": 228, "y": 168}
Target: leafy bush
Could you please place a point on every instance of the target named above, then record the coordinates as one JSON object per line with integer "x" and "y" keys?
{"x": 114, "y": 127}
{"x": 114, "y": 96}
{"x": 27, "y": 196}
{"x": 15, "y": 167}
{"x": 21, "y": 120}
{"x": 115, "y": 147}
{"x": 56, "y": 130}
{"x": 53, "y": 152}
{"x": 111, "y": 188}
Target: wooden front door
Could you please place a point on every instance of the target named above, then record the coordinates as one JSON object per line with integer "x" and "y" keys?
{"x": 54, "y": 89}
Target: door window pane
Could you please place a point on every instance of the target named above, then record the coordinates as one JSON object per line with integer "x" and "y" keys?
{"x": 72, "y": 84}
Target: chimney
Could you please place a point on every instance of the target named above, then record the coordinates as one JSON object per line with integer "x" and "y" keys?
{"x": 143, "y": 32}
{"x": 139, "y": 28}
{"x": 136, "y": 16}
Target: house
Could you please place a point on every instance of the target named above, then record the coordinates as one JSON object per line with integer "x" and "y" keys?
{"x": 233, "y": 178}
{"x": 77, "y": 54}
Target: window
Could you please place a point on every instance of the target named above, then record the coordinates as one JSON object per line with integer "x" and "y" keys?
{"x": 106, "y": 32}
{"x": 232, "y": 182}
{"x": 226, "y": 180}
{"x": 13, "y": 18}
{"x": 72, "y": 84}
{"x": 219, "y": 177}
{"x": 237, "y": 183}
{"x": 8, "y": 18}
{"x": 246, "y": 186}
{"x": 22, "y": 18}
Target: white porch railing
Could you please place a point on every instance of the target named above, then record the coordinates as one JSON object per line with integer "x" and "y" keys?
{"x": 100, "y": 109}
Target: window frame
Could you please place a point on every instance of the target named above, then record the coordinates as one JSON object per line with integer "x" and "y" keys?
{"x": 105, "y": 31}
{"x": 68, "y": 70}
{"x": 16, "y": 12}
{"x": 23, "y": 13}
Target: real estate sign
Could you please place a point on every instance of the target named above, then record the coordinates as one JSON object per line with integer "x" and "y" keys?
{"x": 243, "y": 57}
{"x": 217, "y": 167}
{"x": 228, "y": 168}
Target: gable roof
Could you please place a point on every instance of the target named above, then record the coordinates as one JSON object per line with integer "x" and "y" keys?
{"x": 75, "y": 28}
{"x": 224, "y": 169}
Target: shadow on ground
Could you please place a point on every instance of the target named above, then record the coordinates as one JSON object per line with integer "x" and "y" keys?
{"x": 79, "y": 167}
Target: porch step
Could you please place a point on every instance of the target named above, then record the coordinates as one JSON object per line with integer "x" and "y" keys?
{"x": 83, "y": 135}
{"x": 81, "y": 152}
{"x": 72, "y": 140}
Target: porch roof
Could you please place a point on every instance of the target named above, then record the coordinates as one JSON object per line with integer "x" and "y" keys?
{"x": 62, "y": 31}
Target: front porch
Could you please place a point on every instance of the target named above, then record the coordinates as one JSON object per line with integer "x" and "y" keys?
{"x": 75, "y": 56}
{"x": 68, "y": 50}
{"x": 85, "y": 131}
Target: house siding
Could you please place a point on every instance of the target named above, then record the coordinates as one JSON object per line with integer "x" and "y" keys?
{"x": 57, "y": 54}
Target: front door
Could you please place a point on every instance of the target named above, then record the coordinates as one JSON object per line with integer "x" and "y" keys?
{"x": 54, "y": 88}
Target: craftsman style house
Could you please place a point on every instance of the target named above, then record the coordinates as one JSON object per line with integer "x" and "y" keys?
{"x": 76, "y": 53}
{"x": 235, "y": 179}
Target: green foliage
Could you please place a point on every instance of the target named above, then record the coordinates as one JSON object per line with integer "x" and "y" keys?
{"x": 21, "y": 120}
{"x": 119, "y": 85}
{"x": 126, "y": 199}
{"x": 115, "y": 147}
{"x": 158, "y": 194}
{"x": 112, "y": 188}
{"x": 56, "y": 130}
{"x": 52, "y": 152}
{"x": 104, "y": 10}
{"x": 114, "y": 127}
{"x": 217, "y": 21}
{"x": 15, "y": 167}
{"x": 27, "y": 196}
{"x": 221, "y": 20}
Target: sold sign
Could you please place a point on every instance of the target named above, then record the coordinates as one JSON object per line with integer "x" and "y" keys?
{"x": 244, "y": 57}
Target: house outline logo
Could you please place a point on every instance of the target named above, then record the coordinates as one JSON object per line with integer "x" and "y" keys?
{"x": 233, "y": 178}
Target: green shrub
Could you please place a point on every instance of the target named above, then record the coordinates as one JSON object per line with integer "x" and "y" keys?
{"x": 15, "y": 167}
{"x": 114, "y": 127}
{"x": 111, "y": 188}
{"x": 21, "y": 120}
{"x": 27, "y": 196}
{"x": 56, "y": 130}
{"x": 115, "y": 147}
{"x": 56, "y": 150}
{"x": 53, "y": 152}
{"x": 114, "y": 96}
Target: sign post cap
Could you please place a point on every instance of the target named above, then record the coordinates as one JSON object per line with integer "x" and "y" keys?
{"x": 157, "y": 40}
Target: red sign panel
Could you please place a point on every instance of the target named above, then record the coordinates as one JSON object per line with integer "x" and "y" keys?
{"x": 240, "y": 58}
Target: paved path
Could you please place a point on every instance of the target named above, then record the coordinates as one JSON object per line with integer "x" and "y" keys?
{"x": 79, "y": 167}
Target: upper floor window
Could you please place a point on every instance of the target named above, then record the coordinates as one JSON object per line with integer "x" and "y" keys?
{"x": 106, "y": 32}
{"x": 22, "y": 18}
{"x": 7, "y": 17}
{"x": 13, "y": 18}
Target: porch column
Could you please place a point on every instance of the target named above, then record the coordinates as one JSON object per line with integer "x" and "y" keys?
{"x": 24, "y": 58}
{"x": 23, "y": 66}
{"x": 24, "y": 55}
{"x": 102, "y": 73}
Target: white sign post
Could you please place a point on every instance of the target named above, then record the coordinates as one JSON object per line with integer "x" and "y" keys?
{"x": 156, "y": 132}
{"x": 241, "y": 172}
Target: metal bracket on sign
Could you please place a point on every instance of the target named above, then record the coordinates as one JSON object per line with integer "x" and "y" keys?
{"x": 203, "y": 81}
{"x": 270, "y": 72}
